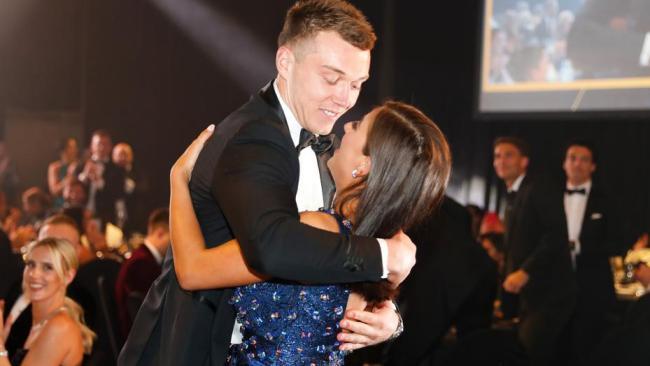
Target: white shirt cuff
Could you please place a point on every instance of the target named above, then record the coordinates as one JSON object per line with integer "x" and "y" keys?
{"x": 383, "y": 246}
{"x": 644, "y": 58}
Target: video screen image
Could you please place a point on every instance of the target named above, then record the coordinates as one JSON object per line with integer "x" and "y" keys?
{"x": 565, "y": 56}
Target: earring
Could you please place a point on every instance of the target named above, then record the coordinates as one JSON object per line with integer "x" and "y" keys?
{"x": 355, "y": 173}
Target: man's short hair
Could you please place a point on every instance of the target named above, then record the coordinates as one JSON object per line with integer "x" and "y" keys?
{"x": 62, "y": 219}
{"x": 35, "y": 195}
{"x": 517, "y": 142}
{"x": 308, "y": 17}
{"x": 582, "y": 143}
{"x": 159, "y": 218}
{"x": 102, "y": 133}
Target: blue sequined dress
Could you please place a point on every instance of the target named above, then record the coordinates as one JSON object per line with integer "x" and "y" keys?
{"x": 289, "y": 324}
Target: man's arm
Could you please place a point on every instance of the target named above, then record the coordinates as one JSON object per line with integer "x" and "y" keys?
{"x": 253, "y": 183}
{"x": 545, "y": 208}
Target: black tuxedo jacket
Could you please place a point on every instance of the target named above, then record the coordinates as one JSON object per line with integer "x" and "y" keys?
{"x": 599, "y": 238}
{"x": 444, "y": 287}
{"x": 536, "y": 241}
{"x": 244, "y": 186}
{"x": 114, "y": 177}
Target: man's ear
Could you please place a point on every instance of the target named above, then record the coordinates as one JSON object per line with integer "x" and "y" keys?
{"x": 284, "y": 59}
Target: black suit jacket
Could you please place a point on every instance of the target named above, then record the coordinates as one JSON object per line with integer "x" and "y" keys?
{"x": 536, "y": 242}
{"x": 113, "y": 190}
{"x": 445, "y": 286}
{"x": 243, "y": 185}
{"x": 599, "y": 238}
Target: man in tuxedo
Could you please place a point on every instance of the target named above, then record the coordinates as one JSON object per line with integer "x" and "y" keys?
{"x": 538, "y": 265}
{"x": 593, "y": 234}
{"x": 141, "y": 269}
{"x": 254, "y": 176}
{"x": 104, "y": 179}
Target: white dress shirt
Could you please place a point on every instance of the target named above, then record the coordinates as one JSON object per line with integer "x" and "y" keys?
{"x": 517, "y": 183}
{"x": 156, "y": 254}
{"x": 574, "y": 208}
{"x": 310, "y": 190}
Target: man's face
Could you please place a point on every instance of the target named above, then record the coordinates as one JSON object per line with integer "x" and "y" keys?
{"x": 61, "y": 231}
{"x": 578, "y": 164}
{"x": 100, "y": 146}
{"x": 74, "y": 195}
{"x": 122, "y": 155}
{"x": 508, "y": 162}
{"x": 323, "y": 78}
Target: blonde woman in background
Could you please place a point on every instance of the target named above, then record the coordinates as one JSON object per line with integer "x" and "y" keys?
{"x": 58, "y": 335}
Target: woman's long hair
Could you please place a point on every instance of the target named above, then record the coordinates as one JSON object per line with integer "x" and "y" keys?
{"x": 64, "y": 259}
{"x": 410, "y": 168}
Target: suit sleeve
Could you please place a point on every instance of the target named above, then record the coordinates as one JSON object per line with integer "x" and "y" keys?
{"x": 550, "y": 226}
{"x": 253, "y": 184}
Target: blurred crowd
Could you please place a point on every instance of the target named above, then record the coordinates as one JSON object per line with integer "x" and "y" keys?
{"x": 91, "y": 202}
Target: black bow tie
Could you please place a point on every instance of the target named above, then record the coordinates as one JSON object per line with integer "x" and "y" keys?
{"x": 319, "y": 144}
{"x": 577, "y": 190}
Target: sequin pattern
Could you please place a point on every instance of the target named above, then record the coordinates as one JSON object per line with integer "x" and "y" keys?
{"x": 289, "y": 324}
{"x": 286, "y": 324}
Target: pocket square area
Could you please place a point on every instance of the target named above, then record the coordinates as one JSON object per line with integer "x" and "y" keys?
{"x": 596, "y": 216}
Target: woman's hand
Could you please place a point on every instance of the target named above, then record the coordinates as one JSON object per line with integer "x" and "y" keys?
{"x": 185, "y": 163}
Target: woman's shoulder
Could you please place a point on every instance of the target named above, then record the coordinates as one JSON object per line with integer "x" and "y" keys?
{"x": 320, "y": 220}
{"x": 55, "y": 165}
{"x": 62, "y": 325}
{"x": 60, "y": 341}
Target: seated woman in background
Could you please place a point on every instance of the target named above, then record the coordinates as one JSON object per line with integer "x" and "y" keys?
{"x": 390, "y": 171}
{"x": 62, "y": 171}
{"x": 58, "y": 335}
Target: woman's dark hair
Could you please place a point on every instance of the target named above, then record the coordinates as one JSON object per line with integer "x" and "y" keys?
{"x": 410, "y": 168}
{"x": 63, "y": 144}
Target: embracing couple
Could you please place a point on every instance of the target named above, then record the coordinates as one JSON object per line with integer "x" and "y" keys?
{"x": 303, "y": 286}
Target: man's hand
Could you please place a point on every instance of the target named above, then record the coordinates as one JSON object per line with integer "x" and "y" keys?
{"x": 365, "y": 328}
{"x": 516, "y": 281}
{"x": 401, "y": 257}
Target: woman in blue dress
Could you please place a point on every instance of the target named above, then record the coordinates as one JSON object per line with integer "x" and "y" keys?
{"x": 390, "y": 171}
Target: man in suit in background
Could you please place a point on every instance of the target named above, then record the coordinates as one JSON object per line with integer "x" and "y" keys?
{"x": 538, "y": 264}
{"x": 593, "y": 234}
{"x": 253, "y": 177}
{"x": 104, "y": 179}
{"x": 141, "y": 269}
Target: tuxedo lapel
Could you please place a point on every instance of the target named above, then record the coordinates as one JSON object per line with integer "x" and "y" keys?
{"x": 591, "y": 209}
{"x": 326, "y": 181}
{"x": 267, "y": 93}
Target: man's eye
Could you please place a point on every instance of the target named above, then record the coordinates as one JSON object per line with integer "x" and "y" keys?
{"x": 331, "y": 81}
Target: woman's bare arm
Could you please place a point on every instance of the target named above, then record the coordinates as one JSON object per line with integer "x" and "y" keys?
{"x": 198, "y": 267}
